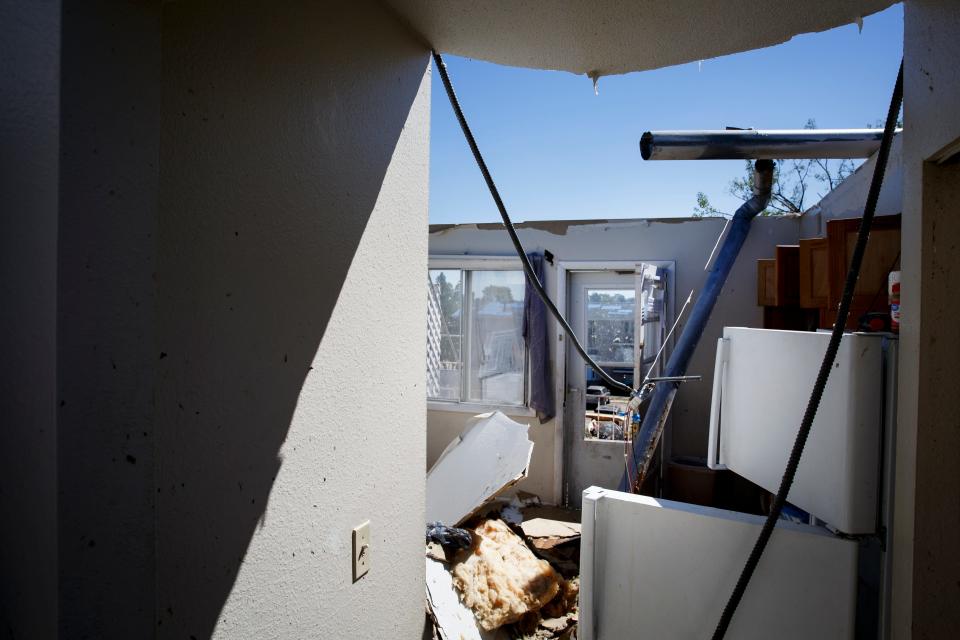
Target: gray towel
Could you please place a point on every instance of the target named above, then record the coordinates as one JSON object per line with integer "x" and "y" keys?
{"x": 535, "y": 337}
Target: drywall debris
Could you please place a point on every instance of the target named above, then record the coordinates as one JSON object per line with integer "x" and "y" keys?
{"x": 498, "y": 588}
{"x": 509, "y": 508}
{"x": 556, "y": 620}
{"x": 527, "y": 499}
{"x": 511, "y": 513}
{"x": 492, "y": 454}
{"x": 453, "y": 620}
{"x": 554, "y": 535}
{"x": 500, "y": 578}
{"x": 538, "y": 528}
{"x": 436, "y": 552}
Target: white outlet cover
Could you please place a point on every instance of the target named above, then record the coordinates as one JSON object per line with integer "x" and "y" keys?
{"x": 361, "y": 550}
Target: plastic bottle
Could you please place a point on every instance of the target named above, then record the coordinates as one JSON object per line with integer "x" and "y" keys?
{"x": 893, "y": 291}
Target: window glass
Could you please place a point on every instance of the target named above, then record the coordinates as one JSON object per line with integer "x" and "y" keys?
{"x": 444, "y": 337}
{"x": 496, "y": 359}
{"x": 610, "y": 325}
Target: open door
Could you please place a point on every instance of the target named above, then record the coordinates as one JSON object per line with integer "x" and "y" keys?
{"x": 621, "y": 317}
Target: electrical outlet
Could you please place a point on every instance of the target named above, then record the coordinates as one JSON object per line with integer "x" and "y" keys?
{"x": 361, "y": 550}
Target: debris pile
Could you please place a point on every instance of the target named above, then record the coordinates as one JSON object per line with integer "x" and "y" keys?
{"x": 519, "y": 576}
{"x": 507, "y": 584}
{"x": 500, "y": 578}
{"x": 448, "y": 536}
{"x": 554, "y": 538}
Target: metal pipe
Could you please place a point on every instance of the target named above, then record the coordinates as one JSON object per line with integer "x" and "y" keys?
{"x": 751, "y": 144}
{"x": 651, "y": 428}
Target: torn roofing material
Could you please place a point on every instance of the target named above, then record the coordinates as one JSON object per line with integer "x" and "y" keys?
{"x": 492, "y": 454}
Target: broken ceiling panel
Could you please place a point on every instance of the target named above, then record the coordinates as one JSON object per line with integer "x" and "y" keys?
{"x": 546, "y": 528}
{"x": 491, "y": 454}
{"x": 619, "y": 36}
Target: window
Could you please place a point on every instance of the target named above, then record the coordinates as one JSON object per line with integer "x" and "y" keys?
{"x": 475, "y": 347}
{"x": 621, "y": 326}
{"x": 610, "y": 317}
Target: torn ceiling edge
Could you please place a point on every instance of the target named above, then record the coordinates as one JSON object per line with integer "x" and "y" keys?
{"x": 620, "y": 36}
{"x": 563, "y": 227}
{"x": 491, "y": 455}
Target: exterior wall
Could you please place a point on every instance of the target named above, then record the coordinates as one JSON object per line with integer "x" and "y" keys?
{"x": 850, "y": 197}
{"x": 29, "y": 113}
{"x": 292, "y": 251}
{"x": 927, "y": 513}
{"x": 686, "y": 241}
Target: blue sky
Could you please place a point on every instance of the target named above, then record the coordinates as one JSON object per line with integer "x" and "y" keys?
{"x": 557, "y": 151}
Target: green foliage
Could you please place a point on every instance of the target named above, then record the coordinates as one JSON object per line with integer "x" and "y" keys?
{"x": 603, "y": 297}
{"x": 706, "y": 210}
{"x": 497, "y": 293}
{"x": 451, "y": 302}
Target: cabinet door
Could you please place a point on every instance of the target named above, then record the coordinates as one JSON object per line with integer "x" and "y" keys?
{"x": 882, "y": 256}
{"x": 814, "y": 273}
{"x": 767, "y": 282}
{"x": 788, "y": 275}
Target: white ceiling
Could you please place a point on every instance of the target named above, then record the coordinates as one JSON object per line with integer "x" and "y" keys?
{"x": 618, "y": 36}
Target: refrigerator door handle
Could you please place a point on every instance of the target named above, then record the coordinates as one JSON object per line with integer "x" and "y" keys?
{"x": 719, "y": 378}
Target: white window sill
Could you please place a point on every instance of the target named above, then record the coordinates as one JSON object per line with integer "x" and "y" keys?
{"x": 475, "y": 408}
{"x": 603, "y": 443}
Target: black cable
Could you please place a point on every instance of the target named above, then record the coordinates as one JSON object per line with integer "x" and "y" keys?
{"x": 527, "y": 267}
{"x": 826, "y": 366}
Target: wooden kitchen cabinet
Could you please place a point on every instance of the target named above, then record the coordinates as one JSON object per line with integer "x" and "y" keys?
{"x": 881, "y": 257}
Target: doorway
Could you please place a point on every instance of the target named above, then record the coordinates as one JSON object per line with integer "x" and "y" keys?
{"x": 620, "y": 316}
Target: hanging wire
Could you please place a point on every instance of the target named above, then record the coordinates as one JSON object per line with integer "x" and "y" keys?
{"x": 525, "y": 261}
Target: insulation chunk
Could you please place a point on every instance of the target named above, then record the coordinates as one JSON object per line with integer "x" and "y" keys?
{"x": 565, "y": 602}
{"x": 500, "y": 579}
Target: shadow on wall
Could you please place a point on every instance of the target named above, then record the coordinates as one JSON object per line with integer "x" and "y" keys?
{"x": 278, "y": 128}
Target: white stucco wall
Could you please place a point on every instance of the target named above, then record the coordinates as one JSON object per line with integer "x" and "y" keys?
{"x": 926, "y": 580}
{"x": 29, "y": 116}
{"x": 688, "y": 242}
{"x": 106, "y": 334}
{"x": 292, "y": 248}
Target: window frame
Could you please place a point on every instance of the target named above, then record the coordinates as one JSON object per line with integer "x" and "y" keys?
{"x": 479, "y": 263}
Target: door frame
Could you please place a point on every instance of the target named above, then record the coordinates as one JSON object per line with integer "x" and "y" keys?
{"x": 565, "y": 269}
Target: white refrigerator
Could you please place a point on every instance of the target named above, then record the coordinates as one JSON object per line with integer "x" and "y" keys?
{"x": 662, "y": 569}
